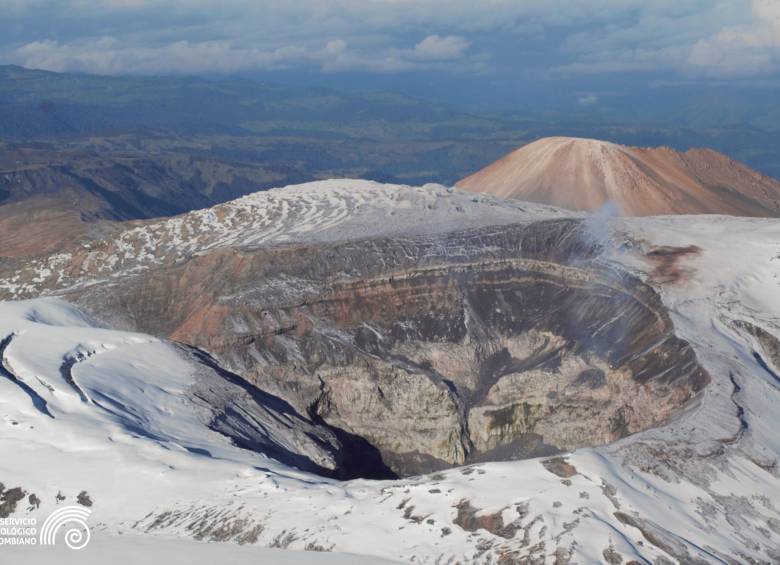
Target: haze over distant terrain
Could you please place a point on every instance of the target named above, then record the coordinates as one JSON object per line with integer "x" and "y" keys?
{"x": 686, "y": 62}
{"x": 300, "y": 133}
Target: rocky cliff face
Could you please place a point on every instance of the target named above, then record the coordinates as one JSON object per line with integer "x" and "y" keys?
{"x": 455, "y": 362}
{"x": 425, "y": 351}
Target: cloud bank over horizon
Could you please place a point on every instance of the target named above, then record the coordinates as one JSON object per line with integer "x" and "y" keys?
{"x": 681, "y": 39}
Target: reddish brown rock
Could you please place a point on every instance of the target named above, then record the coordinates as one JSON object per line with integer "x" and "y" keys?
{"x": 586, "y": 174}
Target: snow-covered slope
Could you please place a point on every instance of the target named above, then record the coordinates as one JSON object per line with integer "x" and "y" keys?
{"x": 83, "y": 392}
{"x": 323, "y": 211}
{"x": 115, "y": 415}
{"x": 135, "y": 549}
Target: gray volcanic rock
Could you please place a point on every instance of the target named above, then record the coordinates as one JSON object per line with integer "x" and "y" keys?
{"x": 504, "y": 338}
{"x": 467, "y": 360}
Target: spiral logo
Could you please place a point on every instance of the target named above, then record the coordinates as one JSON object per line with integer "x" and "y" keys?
{"x": 77, "y": 537}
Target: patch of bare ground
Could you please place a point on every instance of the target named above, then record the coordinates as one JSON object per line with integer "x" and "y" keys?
{"x": 9, "y": 498}
{"x": 610, "y": 492}
{"x": 209, "y": 524}
{"x": 283, "y": 540}
{"x": 612, "y": 556}
{"x": 658, "y": 537}
{"x": 313, "y": 546}
{"x": 667, "y": 261}
{"x": 84, "y": 499}
{"x": 470, "y": 519}
{"x": 559, "y": 466}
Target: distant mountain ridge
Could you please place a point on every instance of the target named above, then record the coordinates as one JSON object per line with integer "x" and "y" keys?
{"x": 585, "y": 174}
{"x": 383, "y": 135}
{"x": 36, "y": 103}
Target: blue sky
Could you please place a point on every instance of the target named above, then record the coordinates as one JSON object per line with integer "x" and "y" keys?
{"x": 496, "y": 43}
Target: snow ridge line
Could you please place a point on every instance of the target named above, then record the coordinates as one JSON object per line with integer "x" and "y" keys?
{"x": 5, "y": 371}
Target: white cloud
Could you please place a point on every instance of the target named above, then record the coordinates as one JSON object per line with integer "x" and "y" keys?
{"x": 588, "y": 100}
{"x": 731, "y": 38}
{"x": 712, "y": 38}
{"x": 438, "y": 48}
{"x": 747, "y": 49}
{"x": 107, "y": 55}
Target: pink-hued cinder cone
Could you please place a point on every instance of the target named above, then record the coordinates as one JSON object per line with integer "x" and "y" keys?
{"x": 585, "y": 174}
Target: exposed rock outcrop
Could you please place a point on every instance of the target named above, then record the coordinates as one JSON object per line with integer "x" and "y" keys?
{"x": 436, "y": 362}
{"x": 424, "y": 351}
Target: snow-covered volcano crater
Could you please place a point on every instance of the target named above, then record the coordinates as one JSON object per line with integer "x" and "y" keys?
{"x": 155, "y": 433}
